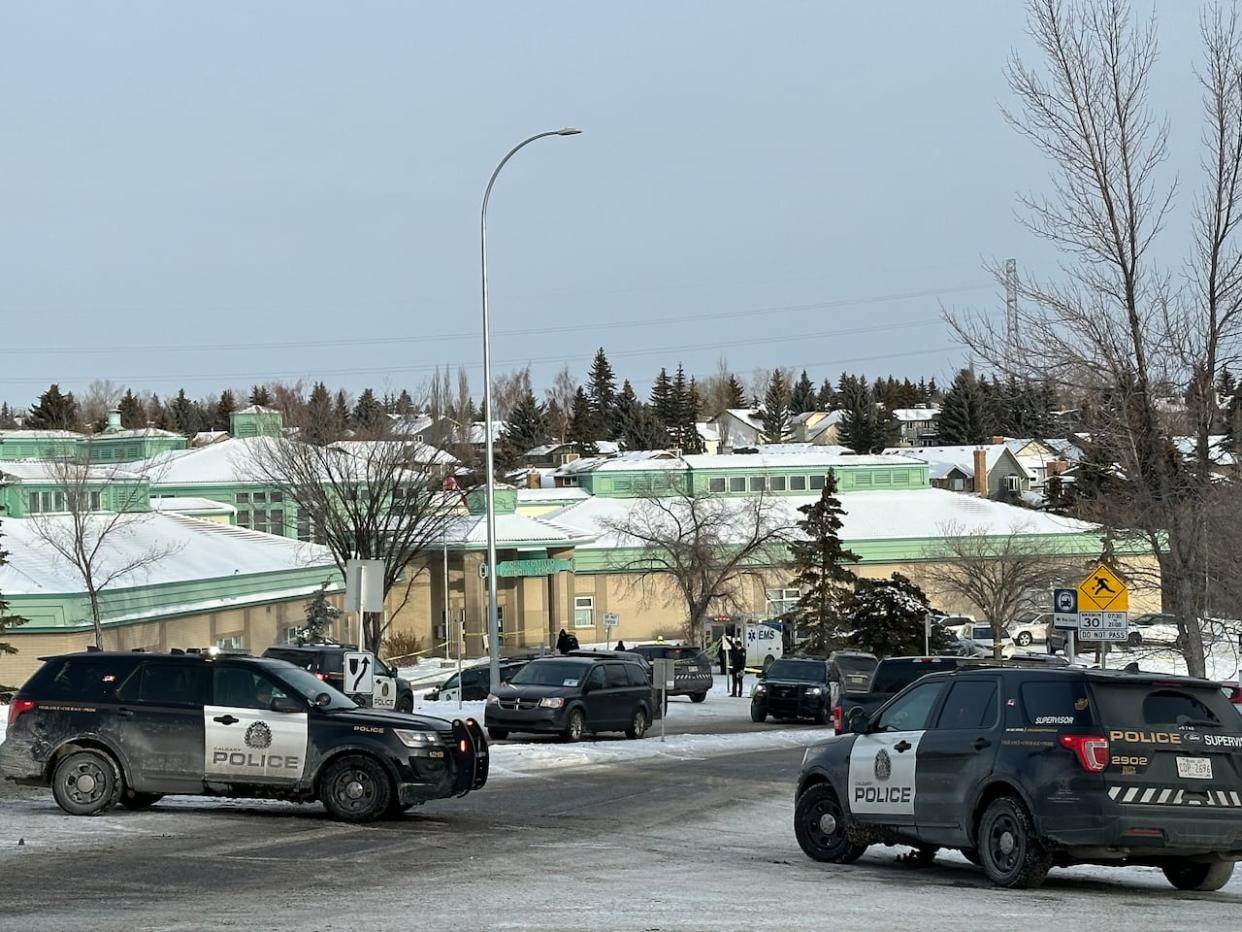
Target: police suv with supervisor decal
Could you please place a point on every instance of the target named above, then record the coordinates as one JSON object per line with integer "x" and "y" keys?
{"x": 103, "y": 728}
{"x": 1027, "y": 769}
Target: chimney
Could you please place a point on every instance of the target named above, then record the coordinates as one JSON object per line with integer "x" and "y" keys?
{"x": 996, "y": 440}
{"x": 533, "y": 479}
{"x": 981, "y": 472}
{"x": 1057, "y": 467}
{"x": 114, "y": 421}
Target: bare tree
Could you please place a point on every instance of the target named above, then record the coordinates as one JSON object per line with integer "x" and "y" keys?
{"x": 508, "y": 389}
{"x": 93, "y": 514}
{"x": 101, "y": 396}
{"x": 707, "y": 547}
{"x": 1000, "y": 575}
{"x": 1117, "y": 331}
{"x": 560, "y": 398}
{"x": 377, "y": 499}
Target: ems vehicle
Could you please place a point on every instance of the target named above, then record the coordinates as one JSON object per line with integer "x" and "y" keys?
{"x": 103, "y": 728}
{"x": 1026, "y": 769}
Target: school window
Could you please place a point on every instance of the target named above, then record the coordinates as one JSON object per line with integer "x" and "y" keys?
{"x": 716, "y": 484}
{"x": 817, "y": 482}
{"x": 33, "y": 504}
{"x": 243, "y": 519}
{"x": 51, "y": 501}
{"x": 243, "y": 498}
{"x": 259, "y": 498}
{"x": 776, "y": 484}
{"x": 229, "y": 642}
{"x": 276, "y": 497}
{"x": 304, "y": 527}
{"x": 797, "y": 483}
{"x": 96, "y": 501}
{"x": 621, "y": 485}
{"x": 737, "y": 484}
{"x": 584, "y": 611}
{"x": 862, "y": 480}
{"x": 276, "y": 522}
{"x": 758, "y": 483}
{"x": 289, "y": 634}
{"x": 779, "y": 601}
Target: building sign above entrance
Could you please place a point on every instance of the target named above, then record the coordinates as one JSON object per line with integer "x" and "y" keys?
{"x": 533, "y": 567}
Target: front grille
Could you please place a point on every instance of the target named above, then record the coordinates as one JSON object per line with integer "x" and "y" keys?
{"x": 784, "y": 692}
{"x": 510, "y": 705}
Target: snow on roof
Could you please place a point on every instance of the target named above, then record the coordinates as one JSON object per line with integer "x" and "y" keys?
{"x": 420, "y": 452}
{"x": 785, "y": 449}
{"x": 134, "y": 434}
{"x": 1065, "y": 448}
{"x": 961, "y": 456}
{"x": 917, "y": 414}
{"x": 204, "y": 437}
{"x": 805, "y": 456}
{"x": 567, "y": 493}
{"x": 1217, "y": 452}
{"x": 941, "y": 470}
{"x": 43, "y": 471}
{"x": 631, "y": 457}
{"x": 916, "y": 514}
{"x": 708, "y": 431}
{"x": 41, "y": 435}
{"x": 201, "y": 550}
{"x": 478, "y": 432}
{"x": 511, "y": 529}
{"x": 410, "y": 423}
{"x": 223, "y": 463}
{"x": 747, "y": 415}
{"x": 191, "y": 505}
{"x": 257, "y": 409}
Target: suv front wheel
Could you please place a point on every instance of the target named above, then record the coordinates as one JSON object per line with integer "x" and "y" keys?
{"x": 86, "y": 783}
{"x": 819, "y": 824}
{"x": 355, "y": 788}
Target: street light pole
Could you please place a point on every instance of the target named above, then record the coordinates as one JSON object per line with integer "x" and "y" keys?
{"x": 493, "y": 627}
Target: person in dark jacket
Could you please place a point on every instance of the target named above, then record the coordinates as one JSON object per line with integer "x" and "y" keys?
{"x": 573, "y": 641}
{"x": 620, "y": 645}
{"x": 562, "y": 642}
{"x": 737, "y": 666}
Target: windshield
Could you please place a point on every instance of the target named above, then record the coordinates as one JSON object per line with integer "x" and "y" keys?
{"x": 849, "y": 664}
{"x": 550, "y": 673}
{"x": 308, "y": 686}
{"x": 802, "y": 671}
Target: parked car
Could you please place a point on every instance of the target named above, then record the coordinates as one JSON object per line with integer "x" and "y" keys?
{"x": 573, "y": 695}
{"x": 475, "y": 682}
{"x": 850, "y": 671}
{"x": 1029, "y": 628}
{"x": 792, "y": 689}
{"x": 692, "y": 668}
{"x": 981, "y": 635}
{"x": 892, "y": 675}
{"x": 327, "y": 662}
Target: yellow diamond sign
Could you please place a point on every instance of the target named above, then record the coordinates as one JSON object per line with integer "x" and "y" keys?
{"x": 1103, "y": 591}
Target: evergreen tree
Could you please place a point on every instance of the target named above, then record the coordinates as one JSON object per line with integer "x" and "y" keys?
{"x": 184, "y": 415}
{"x": 558, "y": 420}
{"x": 826, "y": 400}
{"x": 775, "y": 410}
{"x": 934, "y": 394}
{"x": 581, "y": 432}
{"x": 627, "y": 404}
{"x": 368, "y": 413}
{"x": 526, "y": 428}
{"x": 737, "y": 394}
{"x": 54, "y": 411}
{"x": 963, "y": 414}
{"x": 259, "y": 395}
{"x": 690, "y": 440}
{"x": 320, "y": 615}
{"x": 341, "y": 409}
{"x": 803, "y": 398}
{"x": 321, "y": 424}
{"x": 662, "y": 402}
{"x": 681, "y": 426}
{"x": 823, "y": 577}
{"x": 864, "y": 424}
{"x": 602, "y": 393}
{"x": 7, "y": 420}
{"x": 887, "y": 617}
{"x": 405, "y": 404}
{"x": 642, "y": 430}
{"x": 6, "y": 620}
{"x": 133, "y": 416}
{"x": 221, "y": 418}
{"x": 157, "y": 413}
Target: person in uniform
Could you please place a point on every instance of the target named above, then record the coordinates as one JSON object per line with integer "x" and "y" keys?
{"x": 737, "y": 666}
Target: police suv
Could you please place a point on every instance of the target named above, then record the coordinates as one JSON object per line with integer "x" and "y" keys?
{"x": 1025, "y": 769}
{"x": 103, "y": 728}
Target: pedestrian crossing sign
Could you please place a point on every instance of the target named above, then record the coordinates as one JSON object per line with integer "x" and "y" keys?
{"x": 1103, "y": 591}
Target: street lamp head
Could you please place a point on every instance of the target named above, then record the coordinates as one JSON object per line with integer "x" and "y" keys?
{"x": 568, "y": 131}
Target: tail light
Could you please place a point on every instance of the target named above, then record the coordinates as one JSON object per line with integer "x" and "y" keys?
{"x": 1091, "y": 751}
{"x": 19, "y": 708}
{"x": 322, "y": 677}
{"x": 837, "y": 719}
{"x": 1235, "y": 696}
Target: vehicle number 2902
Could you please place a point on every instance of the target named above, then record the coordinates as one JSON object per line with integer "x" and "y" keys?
{"x": 1119, "y": 761}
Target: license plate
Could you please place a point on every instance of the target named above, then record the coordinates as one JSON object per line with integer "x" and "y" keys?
{"x": 1194, "y": 768}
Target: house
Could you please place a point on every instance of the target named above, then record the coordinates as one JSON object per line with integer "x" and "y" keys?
{"x": 554, "y": 455}
{"x": 738, "y": 427}
{"x": 918, "y": 426}
{"x": 990, "y": 470}
{"x": 1036, "y": 456}
{"x": 821, "y": 428}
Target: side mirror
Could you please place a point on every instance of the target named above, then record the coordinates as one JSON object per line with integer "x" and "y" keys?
{"x": 287, "y": 704}
{"x": 857, "y": 721}
{"x": 323, "y": 700}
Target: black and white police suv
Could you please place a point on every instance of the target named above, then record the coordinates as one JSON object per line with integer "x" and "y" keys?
{"x": 103, "y": 728}
{"x": 1026, "y": 769}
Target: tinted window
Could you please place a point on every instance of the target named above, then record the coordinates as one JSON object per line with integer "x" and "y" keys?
{"x": 332, "y": 662}
{"x": 970, "y": 704}
{"x": 894, "y": 676}
{"x": 1147, "y": 704}
{"x": 166, "y": 684}
{"x": 596, "y": 678}
{"x": 310, "y": 687}
{"x": 550, "y": 673}
{"x": 85, "y": 679}
{"x": 909, "y": 713}
{"x": 1056, "y": 702}
{"x": 239, "y": 688}
{"x": 634, "y": 675}
{"x": 615, "y": 675}
{"x": 804, "y": 671}
{"x": 299, "y": 658}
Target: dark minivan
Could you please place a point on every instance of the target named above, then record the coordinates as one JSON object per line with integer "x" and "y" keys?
{"x": 571, "y": 696}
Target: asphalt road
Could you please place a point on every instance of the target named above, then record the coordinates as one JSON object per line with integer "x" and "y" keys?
{"x": 690, "y": 844}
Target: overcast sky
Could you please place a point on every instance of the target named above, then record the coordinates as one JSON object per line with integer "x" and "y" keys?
{"x": 212, "y": 194}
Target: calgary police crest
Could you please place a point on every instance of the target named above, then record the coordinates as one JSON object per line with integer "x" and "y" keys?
{"x": 258, "y": 735}
{"x": 883, "y": 765}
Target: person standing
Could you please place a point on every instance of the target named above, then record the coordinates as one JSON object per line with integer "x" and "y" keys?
{"x": 562, "y": 642}
{"x": 737, "y": 666}
{"x": 722, "y": 654}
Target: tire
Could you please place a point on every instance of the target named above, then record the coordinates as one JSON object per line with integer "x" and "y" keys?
{"x": 819, "y": 824}
{"x": 405, "y": 704}
{"x": 1023, "y": 639}
{"x": 1190, "y": 875}
{"x": 576, "y": 726}
{"x": 497, "y": 734}
{"x": 136, "y": 802}
{"x": 638, "y": 725}
{"x": 821, "y": 716}
{"x": 697, "y": 697}
{"x": 355, "y": 788}
{"x": 86, "y": 783}
{"x": 758, "y": 713}
{"x": 1009, "y": 852}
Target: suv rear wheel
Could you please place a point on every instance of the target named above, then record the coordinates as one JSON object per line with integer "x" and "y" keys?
{"x": 1023, "y": 639}
{"x": 819, "y": 825}
{"x": 405, "y": 704}
{"x": 1009, "y": 851}
{"x": 638, "y": 727}
{"x": 355, "y": 788}
{"x": 698, "y": 697}
{"x": 1191, "y": 875}
{"x": 86, "y": 783}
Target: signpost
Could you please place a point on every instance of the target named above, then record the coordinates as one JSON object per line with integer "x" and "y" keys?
{"x": 611, "y": 620}
{"x": 364, "y": 590}
{"x": 359, "y": 672}
{"x": 1065, "y": 617}
{"x": 663, "y": 673}
{"x": 1103, "y": 604}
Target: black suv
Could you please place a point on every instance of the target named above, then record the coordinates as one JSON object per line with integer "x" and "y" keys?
{"x": 571, "y": 696}
{"x": 1026, "y": 769}
{"x": 476, "y": 682}
{"x": 692, "y": 669}
{"x": 793, "y": 689}
{"x": 103, "y": 728}
{"x": 327, "y": 662}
